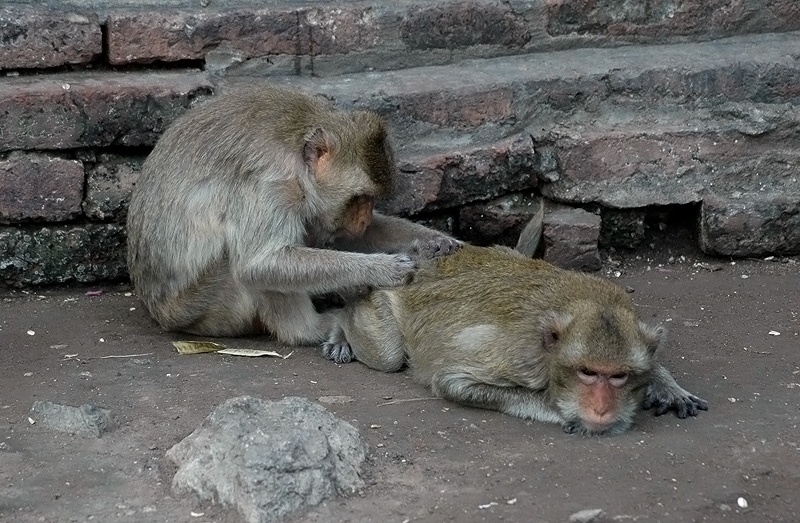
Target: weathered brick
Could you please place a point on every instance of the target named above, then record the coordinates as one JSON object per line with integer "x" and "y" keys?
{"x": 462, "y": 24}
{"x": 36, "y": 38}
{"x": 48, "y": 255}
{"x": 665, "y": 18}
{"x": 570, "y": 238}
{"x": 448, "y": 180}
{"x": 498, "y": 222}
{"x": 39, "y": 187}
{"x": 751, "y": 224}
{"x": 461, "y": 108}
{"x": 109, "y": 181}
{"x": 638, "y": 167}
{"x": 93, "y": 109}
{"x": 146, "y": 37}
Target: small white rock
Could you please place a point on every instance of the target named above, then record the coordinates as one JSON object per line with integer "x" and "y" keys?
{"x": 741, "y": 502}
{"x": 774, "y": 333}
{"x": 587, "y": 516}
{"x": 31, "y": 333}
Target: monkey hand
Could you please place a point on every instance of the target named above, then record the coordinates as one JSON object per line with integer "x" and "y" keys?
{"x": 665, "y": 399}
{"x": 393, "y": 270}
{"x": 434, "y": 247}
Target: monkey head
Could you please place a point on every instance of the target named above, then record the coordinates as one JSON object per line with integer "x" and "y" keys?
{"x": 352, "y": 165}
{"x": 601, "y": 360}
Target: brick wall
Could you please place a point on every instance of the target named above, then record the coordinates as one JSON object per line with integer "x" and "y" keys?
{"x": 85, "y": 93}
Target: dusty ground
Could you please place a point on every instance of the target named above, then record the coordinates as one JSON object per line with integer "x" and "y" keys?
{"x": 429, "y": 460}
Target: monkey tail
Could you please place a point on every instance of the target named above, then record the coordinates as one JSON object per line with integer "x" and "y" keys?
{"x": 532, "y": 233}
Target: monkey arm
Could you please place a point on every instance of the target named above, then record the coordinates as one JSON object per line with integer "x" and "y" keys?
{"x": 393, "y": 234}
{"x": 664, "y": 394}
{"x": 297, "y": 269}
{"x": 521, "y": 402}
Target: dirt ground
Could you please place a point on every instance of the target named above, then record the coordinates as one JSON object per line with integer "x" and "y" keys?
{"x": 429, "y": 460}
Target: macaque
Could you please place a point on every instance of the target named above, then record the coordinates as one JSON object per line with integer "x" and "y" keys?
{"x": 254, "y": 201}
{"x": 490, "y": 327}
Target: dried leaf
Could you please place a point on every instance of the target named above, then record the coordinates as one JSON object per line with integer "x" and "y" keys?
{"x": 253, "y": 353}
{"x": 197, "y": 347}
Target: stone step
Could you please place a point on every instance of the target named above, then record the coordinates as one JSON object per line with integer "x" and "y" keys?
{"x": 316, "y": 37}
{"x": 487, "y": 99}
{"x": 478, "y": 101}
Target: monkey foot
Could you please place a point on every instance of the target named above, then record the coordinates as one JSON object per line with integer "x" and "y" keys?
{"x": 339, "y": 352}
{"x": 685, "y": 405}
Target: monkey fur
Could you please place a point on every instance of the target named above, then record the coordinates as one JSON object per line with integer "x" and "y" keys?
{"x": 255, "y": 200}
{"x": 489, "y": 327}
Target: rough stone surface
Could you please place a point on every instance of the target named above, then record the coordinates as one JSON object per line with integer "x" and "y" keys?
{"x": 35, "y": 38}
{"x": 269, "y": 459}
{"x": 752, "y": 224}
{"x": 462, "y": 24}
{"x": 462, "y": 109}
{"x": 146, "y": 37}
{"x": 39, "y": 187}
{"x": 498, "y": 222}
{"x": 86, "y": 419}
{"x": 453, "y": 179}
{"x": 75, "y": 253}
{"x": 109, "y": 181}
{"x": 671, "y": 17}
{"x": 73, "y": 110}
{"x": 633, "y": 167}
{"x": 570, "y": 238}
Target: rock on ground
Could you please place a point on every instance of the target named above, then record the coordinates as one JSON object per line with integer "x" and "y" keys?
{"x": 86, "y": 419}
{"x": 268, "y": 459}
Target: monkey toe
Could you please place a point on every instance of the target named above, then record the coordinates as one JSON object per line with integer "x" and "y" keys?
{"x": 338, "y": 352}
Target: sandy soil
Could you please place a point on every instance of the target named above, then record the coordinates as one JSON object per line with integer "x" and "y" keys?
{"x": 429, "y": 460}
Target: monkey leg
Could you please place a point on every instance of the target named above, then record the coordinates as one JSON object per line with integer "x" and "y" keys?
{"x": 367, "y": 330}
{"x": 664, "y": 394}
{"x": 223, "y": 307}
{"x": 464, "y": 388}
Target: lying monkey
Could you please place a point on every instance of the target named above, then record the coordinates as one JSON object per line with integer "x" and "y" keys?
{"x": 490, "y": 327}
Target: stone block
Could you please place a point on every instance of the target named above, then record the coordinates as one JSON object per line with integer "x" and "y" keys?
{"x": 452, "y": 179}
{"x": 634, "y": 167}
{"x": 110, "y": 178}
{"x": 63, "y": 254}
{"x": 462, "y": 24}
{"x": 570, "y": 238}
{"x": 669, "y": 18}
{"x": 463, "y": 108}
{"x": 38, "y": 38}
{"x": 750, "y": 224}
{"x": 39, "y": 187}
{"x": 152, "y": 36}
{"x": 97, "y": 109}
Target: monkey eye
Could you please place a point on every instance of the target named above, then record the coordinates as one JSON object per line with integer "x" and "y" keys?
{"x": 587, "y": 376}
{"x": 619, "y": 379}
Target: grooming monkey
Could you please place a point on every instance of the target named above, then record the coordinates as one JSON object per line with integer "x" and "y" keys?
{"x": 255, "y": 200}
{"x": 493, "y": 328}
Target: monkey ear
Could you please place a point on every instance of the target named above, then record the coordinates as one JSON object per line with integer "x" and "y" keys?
{"x": 318, "y": 150}
{"x": 655, "y": 336}
{"x": 554, "y": 324}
